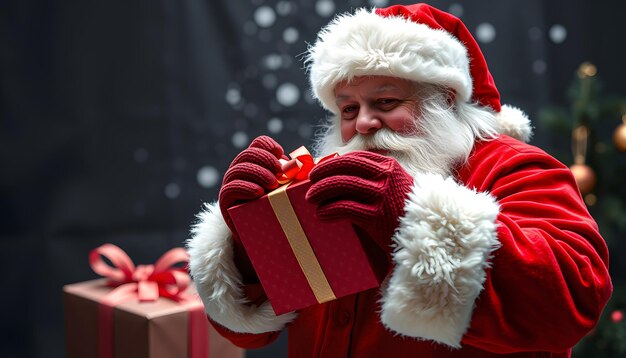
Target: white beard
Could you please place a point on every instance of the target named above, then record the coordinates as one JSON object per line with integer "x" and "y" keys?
{"x": 442, "y": 140}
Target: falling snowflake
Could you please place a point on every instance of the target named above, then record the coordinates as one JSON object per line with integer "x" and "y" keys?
{"x": 287, "y": 94}
{"x": 264, "y": 16}
{"x": 558, "y": 34}
{"x": 272, "y": 61}
{"x": 172, "y": 190}
{"x": 240, "y": 139}
{"x": 539, "y": 67}
{"x": 275, "y": 125}
{"x": 456, "y": 9}
{"x": 269, "y": 81}
{"x": 141, "y": 155}
{"x": 285, "y": 8}
{"x": 485, "y": 32}
{"x": 379, "y": 3}
{"x": 325, "y": 8}
{"x": 534, "y": 33}
{"x": 207, "y": 177}
{"x": 290, "y": 35}
{"x": 233, "y": 96}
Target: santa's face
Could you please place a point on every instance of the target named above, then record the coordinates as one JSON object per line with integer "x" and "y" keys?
{"x": 370, "y": 103}
{"x": 415, "y": 123}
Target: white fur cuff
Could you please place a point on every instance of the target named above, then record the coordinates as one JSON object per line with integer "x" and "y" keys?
{"x": 443, "y": 245}
{"x": 219, "y": 282}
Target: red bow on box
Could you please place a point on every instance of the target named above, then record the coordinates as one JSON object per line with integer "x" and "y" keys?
{"x": 299, "y": 166}
{"x": 146, "y": 283}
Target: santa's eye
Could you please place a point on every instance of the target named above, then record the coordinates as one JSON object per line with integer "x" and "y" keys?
{"x": 349, "y": 112}
{"x": 387, "y": 103}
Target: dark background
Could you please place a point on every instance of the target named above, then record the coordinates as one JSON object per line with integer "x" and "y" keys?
{"x": 118, "y": 118}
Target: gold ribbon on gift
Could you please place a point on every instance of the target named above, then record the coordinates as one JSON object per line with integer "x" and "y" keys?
{"x": 300, "y": 245}
{"x": 298, "y": 168}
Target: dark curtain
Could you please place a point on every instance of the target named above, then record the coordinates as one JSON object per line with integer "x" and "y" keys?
{"x": 119, "y": 118}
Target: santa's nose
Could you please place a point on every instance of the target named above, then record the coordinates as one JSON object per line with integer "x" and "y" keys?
{"x": 367, "y": 122}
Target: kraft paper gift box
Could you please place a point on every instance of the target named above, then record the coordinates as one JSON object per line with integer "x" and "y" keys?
{"x": 300, "y": 261}
{"x": 157, "y": 329}
{"x": 102, "y": 320}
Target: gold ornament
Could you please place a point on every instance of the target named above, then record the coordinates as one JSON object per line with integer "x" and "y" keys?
{"x": 585, "y": 177}
{"x": 587, "y": 69}
{"x": 619, "y": 136}
{"x": 591, "y": 199}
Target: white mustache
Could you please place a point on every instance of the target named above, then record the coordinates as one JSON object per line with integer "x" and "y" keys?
{"x": 431, "y": 148}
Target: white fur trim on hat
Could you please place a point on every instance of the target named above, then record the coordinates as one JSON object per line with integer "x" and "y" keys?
{"x": 365, "y": 43}
{"x": 219, "y": 282}
{"x": 513, "y": 122}
{"x": 444, "y": 242}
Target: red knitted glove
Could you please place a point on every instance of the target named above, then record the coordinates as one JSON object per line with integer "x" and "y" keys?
{"x": 367, "y": 188}
{"x": 251, "y": 174}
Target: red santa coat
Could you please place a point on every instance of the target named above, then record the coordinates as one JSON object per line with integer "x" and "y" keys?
{"x": 504, "y": 259}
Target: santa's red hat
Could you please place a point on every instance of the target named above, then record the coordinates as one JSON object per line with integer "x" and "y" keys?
{"x": 415, "y": 42}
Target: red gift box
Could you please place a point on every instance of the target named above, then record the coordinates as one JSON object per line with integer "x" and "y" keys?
{"x": 144, "y": 311}
{"x": 300, "y": 261}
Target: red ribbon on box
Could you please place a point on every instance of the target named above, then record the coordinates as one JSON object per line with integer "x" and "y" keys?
{"x": 146, "y": 283}
{"x": 299, "y": 166}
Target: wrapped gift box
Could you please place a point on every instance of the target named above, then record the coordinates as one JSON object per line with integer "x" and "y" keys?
{"x": 140, "y": 329}
{"x": 300, "y": 261}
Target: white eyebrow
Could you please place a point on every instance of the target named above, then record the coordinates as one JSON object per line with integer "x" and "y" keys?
{"x": 384, "y": 88}
{"x": 341, "y": 98}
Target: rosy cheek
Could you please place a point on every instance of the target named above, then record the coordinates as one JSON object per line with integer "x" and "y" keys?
{"x": 403, "y": 123}
{"x": 348, "y": 130}
{"x": 405, "y": 127}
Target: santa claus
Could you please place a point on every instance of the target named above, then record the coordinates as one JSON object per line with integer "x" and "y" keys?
{"x": 488, "y": 246}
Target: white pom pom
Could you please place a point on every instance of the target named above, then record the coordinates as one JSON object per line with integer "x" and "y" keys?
{"x": 514, "y": 122}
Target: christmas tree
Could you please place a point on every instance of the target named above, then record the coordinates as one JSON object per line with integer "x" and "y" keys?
{"x": 598, "y": 162}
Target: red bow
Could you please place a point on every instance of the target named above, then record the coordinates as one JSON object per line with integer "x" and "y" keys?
{"x": 146, "y": 282}
{"x": 299, "y": 166}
